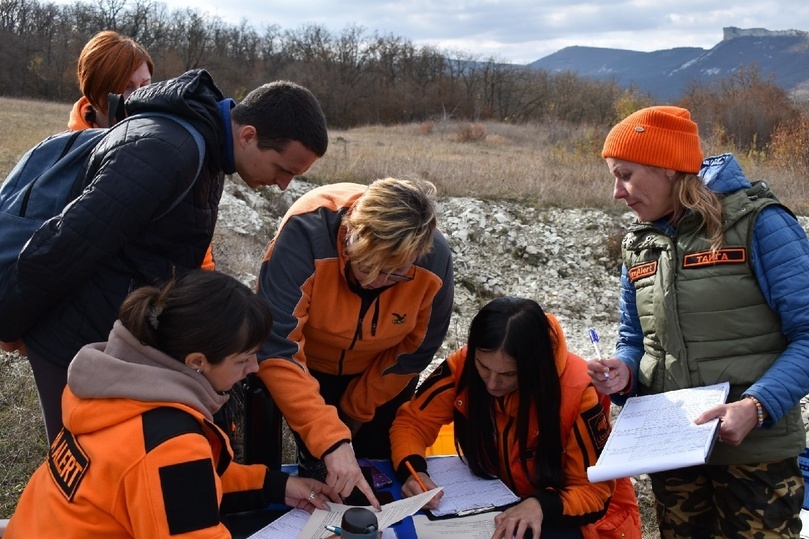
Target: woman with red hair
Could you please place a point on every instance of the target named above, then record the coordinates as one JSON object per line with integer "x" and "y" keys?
{"x": 109, "y": 63}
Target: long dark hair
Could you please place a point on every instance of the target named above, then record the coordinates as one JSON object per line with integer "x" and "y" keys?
{"x": 201, "y": 311}
{"x": 519, "y": 328}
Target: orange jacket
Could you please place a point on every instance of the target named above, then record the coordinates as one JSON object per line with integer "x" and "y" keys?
{"x": 319, "y": 323}
{"x": 124, "y": 481}
{"x": 82, "y": 109}
{"x": 126, "y": 468}
{"x": 209, "y": 263}
{"x": 584, "y": 427}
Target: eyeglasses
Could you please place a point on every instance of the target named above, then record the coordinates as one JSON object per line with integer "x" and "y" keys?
{"x": 397, "y": 277}
{"x": 390, "y": 276}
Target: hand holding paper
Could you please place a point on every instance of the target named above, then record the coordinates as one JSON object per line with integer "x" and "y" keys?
{"x": 657, "y": 432}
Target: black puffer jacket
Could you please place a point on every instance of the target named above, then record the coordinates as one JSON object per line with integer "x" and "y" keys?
{"x": 77, "y": 269}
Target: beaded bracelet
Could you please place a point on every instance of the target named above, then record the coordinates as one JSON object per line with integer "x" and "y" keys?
{"x": 759, "y": 410}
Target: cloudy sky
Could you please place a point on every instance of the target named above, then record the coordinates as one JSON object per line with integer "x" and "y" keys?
{"x": 521, "y": 31}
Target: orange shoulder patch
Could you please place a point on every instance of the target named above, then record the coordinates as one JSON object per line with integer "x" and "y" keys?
{"x": 67, "y": 463}
{"x": 642, "y": 270}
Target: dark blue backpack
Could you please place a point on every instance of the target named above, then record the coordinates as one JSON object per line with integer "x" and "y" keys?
{"x": 47, "y": 178}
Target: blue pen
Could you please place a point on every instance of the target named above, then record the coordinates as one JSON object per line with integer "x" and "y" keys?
{"x": 334, "y": 529}
{"x": 594, "y": 340}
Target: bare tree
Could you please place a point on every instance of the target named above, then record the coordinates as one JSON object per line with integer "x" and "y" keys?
{"x": 742, "y": 110}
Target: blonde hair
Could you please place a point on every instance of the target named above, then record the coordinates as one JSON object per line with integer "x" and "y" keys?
{"x": 391, "y": 225}
{"x": 692, "y": 194}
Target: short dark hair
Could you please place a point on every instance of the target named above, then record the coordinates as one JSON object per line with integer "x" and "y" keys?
{"x": 201, "y": 311}
{"x": 520, "y": 329}
{"x": 281, "y": 112}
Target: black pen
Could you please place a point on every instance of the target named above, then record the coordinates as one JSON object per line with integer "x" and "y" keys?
{"x": 334, "y": 529}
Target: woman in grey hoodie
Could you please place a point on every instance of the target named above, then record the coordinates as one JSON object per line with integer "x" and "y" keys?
{"x": 139, "y": 454}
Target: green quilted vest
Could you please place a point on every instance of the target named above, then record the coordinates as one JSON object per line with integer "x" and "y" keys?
{"x": 705, "y": 320}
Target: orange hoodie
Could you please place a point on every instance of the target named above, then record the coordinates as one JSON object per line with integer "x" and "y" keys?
{"x": 82, "y": 109}
{"x": 139, "y": 456}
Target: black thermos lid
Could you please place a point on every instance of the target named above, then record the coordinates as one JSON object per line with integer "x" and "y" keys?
{"x": 359, "y": 522}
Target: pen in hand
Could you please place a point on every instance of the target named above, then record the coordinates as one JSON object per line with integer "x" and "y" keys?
{"x": 416, "y": 476}
{"x": 597, "y": 347}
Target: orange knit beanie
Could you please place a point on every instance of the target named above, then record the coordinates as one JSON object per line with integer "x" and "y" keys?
{"x": 662, "y": 136}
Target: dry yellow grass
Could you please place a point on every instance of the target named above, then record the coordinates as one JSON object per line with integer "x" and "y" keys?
{"x": 23, "y": 123}
{"x": 531, "y": 163}
{"x": 543, "y": 165}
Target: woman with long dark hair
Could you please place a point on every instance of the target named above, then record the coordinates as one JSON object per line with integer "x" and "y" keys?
{"x": 525, "y": 412}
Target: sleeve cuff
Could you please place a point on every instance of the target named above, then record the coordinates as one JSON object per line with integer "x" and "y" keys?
{"x": 551, "y": 507}
{"x": 628, "y": 387}
{"x": 334, "y": 447}
{"x": 275, "y": 486}
{"x": 418, "y": 462}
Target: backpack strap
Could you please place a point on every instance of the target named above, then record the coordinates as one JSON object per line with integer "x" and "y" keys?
{"x": 200, "y": 148}
{"x": 27, "y": 196}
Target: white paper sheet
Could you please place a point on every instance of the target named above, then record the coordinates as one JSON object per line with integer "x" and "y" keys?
{"x": 657, "y": 432}
{"x": 291, "y": 524}
{"x": 288, "y": 525}
{"x": 463, "y": 490}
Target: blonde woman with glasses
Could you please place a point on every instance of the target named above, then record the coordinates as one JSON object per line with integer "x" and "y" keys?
{"x": 360, "y": 284}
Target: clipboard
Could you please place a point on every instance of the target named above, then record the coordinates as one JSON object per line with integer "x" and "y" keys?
{"x": 468, "y": 512}
{"x": 656, "y": 432}
{"x": 466, "y": 494}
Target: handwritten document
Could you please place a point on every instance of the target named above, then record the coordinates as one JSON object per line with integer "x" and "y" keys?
{"x": 464, "y": 491}
{"x": 657, "y": 432}
{"x": 471, "y": 527}
{"x": 287, "y": 525}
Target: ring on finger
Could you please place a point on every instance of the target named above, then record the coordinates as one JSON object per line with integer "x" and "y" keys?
{"x": 312, "y": 495}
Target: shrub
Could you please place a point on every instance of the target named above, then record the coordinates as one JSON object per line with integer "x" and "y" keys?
{"x": 790, "y": 145}
{"x": 426, "y": 128}
{"x": 470, "y": 133}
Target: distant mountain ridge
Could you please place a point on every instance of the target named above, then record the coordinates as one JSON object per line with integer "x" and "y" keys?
{"x": 666, "y": 73}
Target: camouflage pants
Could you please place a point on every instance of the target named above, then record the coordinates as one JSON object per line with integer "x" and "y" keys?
{"x": 743, "y": 501}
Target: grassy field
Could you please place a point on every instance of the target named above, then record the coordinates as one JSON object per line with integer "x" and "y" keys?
{"x": 545, "y": 166}
{"x": 22, "y": 435}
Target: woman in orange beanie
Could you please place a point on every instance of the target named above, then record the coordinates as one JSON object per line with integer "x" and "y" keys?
{"x": 714, "y": 289}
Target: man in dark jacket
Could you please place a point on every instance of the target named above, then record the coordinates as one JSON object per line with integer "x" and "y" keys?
{"x": 125, "y": 230}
